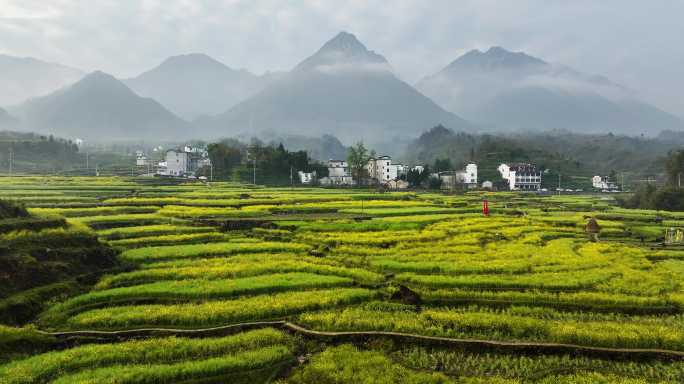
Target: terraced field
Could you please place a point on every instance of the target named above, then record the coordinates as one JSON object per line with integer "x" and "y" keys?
{"x": 235, "y": 283}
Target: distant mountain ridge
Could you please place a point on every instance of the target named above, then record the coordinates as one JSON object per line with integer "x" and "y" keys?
{"x": 343, "y": 89}
{"x": 195, "y": 85}
{"x": 515, "y": 91}
{"x": 100, "y": 107}
{"x": 22, "y": 78}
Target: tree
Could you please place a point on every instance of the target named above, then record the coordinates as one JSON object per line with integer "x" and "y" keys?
{"x": 357, "y": 158}
{"x": 225, "y": 156}
{"x": 442, "y": 165}
{"x": 434, "y": 183}
{"x": 674, "y": 167}
{"x": 416, "y": 178}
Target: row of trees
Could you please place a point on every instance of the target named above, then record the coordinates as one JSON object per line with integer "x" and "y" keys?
{"x": 30, "y": 152}
{"x": 265, "y": 164}
{"x": 668, "y": 197}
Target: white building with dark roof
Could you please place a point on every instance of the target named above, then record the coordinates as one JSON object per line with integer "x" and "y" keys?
{"x": 521, "y": 177}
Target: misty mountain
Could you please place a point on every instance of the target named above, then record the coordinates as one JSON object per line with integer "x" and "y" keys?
{"x": 7, "y": 121}
{"x": 321, "y": 148}
{"x": 344, "y": 90}
{"x": 513, "y": 91}
{"x": 100, "y": 107}
{"x": 22, "y": 78}
{"x": 195, "y": 85}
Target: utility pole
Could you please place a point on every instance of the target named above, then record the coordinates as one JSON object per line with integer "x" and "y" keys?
{"x": 11, "y": 159}
{"x": 254, "y": 171}
{"x": 211, "y": 171}
{"x": 679, "y": 180}
{"x": 291, "y": 179}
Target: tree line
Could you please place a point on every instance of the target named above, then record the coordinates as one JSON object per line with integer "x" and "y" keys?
{"x": 258, "y": 162}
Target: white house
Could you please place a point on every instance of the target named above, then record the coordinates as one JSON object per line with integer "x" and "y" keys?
{"x": 183, "y": 162}
{"x": 604, "y": 183}
{"x": 466, "y": 177}
{"x": 524, "y": 177}
{"x": 487, "y": 185}
{"x": 382, "y": 170}
{"x": 306, "y": 177}
{"x": 177, "y": 163}
{"x": 397, "y": 184}
{"x": 338, "y": 173}
{"x": 418, "y": 168}
{"x": 469, "y": 175}
{"x": 141, "y": 160}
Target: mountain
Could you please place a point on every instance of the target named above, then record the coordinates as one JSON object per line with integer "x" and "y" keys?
{"x": 22, "y": 78}
{"x": 100, "y": 107}
{"x": 195, "y": 85}
{"x": 7, "y": 121}
{"x": 344, "y": 90}
{"x": 321, "y": 148}
{"x": 514, "y": 91}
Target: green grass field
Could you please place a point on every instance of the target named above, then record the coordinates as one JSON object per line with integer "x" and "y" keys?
{"x": 389, "y": 266}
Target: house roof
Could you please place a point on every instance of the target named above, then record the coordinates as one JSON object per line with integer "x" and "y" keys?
{"x": 523, "y": 167}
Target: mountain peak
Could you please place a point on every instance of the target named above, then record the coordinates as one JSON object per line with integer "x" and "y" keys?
{"x": 495, "y": 58}
{"x": 191, "y": 59}
{"x": 343, "y": 50}
{"x": 99, "y": 76}
{"x": 100, "y": 81}
{"x": 346, "y": 42}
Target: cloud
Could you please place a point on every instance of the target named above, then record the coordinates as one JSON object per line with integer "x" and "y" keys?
{"x": 125, "y": 37}
{"x": 354, "y": 68}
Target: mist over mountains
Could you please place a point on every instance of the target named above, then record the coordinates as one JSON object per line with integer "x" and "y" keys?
{"x": 344, "y": 90}
{"x": 196, "y": 85}
{"x": 7, "y": 121}
{"x": 514, "y": 91}
{"x": 23, "y": 77}
{"x": 100, "y": 107}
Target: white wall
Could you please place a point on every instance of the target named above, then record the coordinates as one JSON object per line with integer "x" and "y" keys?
{"x": 176, "y": 163}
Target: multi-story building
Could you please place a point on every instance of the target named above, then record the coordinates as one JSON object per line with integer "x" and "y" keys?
{"x": 183, "y": 161}
{"x": 521, "y": 177}
{"x": 381, "y": 169}
{"x": 338, "y": 173}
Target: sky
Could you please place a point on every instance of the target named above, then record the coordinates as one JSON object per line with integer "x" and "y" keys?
{"x": 633, "y": 42}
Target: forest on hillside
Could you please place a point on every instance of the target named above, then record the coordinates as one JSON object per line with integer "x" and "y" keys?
{"x": 576, "y": 157}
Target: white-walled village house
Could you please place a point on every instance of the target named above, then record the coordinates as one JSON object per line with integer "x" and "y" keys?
{"x": 521, "y": 177}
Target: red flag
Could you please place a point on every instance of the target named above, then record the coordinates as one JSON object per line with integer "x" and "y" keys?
{"x": 485, "y": 207}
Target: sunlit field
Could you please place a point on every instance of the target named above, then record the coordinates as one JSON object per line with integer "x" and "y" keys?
{"x": 438, "y": 292}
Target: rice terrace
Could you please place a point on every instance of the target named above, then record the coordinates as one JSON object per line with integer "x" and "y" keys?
{"x": 196, "y": 282}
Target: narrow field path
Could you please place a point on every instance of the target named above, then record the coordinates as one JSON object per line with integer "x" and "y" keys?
{"x": 359, "y": 336}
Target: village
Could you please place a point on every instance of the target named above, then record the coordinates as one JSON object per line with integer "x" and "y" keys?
{"x": 193, "y": 162}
